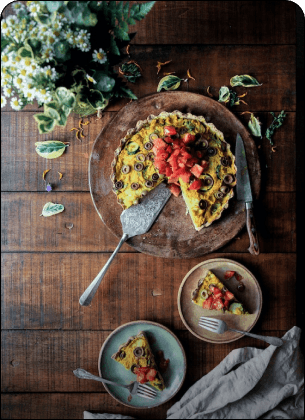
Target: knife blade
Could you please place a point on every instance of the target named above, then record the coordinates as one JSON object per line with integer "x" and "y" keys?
{"x": 136, "y": 220}
{"x": 244, "y": 193}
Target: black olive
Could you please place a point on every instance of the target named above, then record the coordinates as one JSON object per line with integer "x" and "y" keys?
{"x": 122, "y": 355}
{"x": 219, "y": 195}
{"x": 138, "y": 167}
{"x": 133, "y": 367}
{"x": 149, "y": 184}
{"x": 140, "y": 157}
{"x": 148, "y": 145}
{"x": 197, "y": 136}
{"x": 125, "y": 169}
{"x": 155, "y": 177}
{"x": 225, "y": 161}
{"x": 203, "y": 204}
{"x": 208, "y": 180}
{"x": 225, "y": 189}
{"x": 223, "y": 146}
{"x": 138, "y": 352}
{"x": 134, "y": 186}
{"x": 228, "y": 179}
{"x": 119, "y": 185}
{"x": 150, "y": 156}
{"x": 211, "y": 151}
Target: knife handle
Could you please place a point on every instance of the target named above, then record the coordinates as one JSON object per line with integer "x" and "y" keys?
{"x": 252, "y": 232}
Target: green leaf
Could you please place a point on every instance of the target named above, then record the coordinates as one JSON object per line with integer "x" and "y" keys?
{"x": 255, "y": 126}
{"x": 145, "y": 8}
{"x": 50, "y": 209}
{"x": 128, "y": 93}
{"x": 62, "y": 117}
{"x": 276, "y": 123}
{"x": 97, "y": 5}
{"x": 131, "y": 21}
{"x": 244, "y": 80}
{"x": 132, "y": 72}
{"x": 42, "y": 118}
{"x": 113, "y": 47}
{"x": 50, "y": 149}
{"x": 124, "y": 26}
{"x": 234, "y": 99}
{"x": 119, "y": 10}
{"x": 34, "y": 44}
{"x": 169, "y": 83}
{"x": 51, "y": 111}
{"x": 97, "y": 99}
{"x": 25, "y": 52}
{"x": 104, "y": 82}
{"x": 224, "y": 94}
{"x": 62, "y": 51}
{"x": 46, "y": 127}
{"x": 121, "y": 34}
{"x": 53, "y": 6}
{"x": 126, "y": 10}
{"x": 65, "y": 97}
{"x": 189, "y": 125}
{"x": 4, "y": 43}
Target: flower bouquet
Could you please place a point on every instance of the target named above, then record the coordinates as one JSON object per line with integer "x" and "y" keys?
{"x": 63, "y": 54}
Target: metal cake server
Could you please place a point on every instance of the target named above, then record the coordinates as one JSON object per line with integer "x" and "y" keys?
{"x": 244, "y": 193}
{"x": 135, "y": 221}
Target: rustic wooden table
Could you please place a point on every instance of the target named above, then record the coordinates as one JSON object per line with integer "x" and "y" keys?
{"x": 47, "y": 264}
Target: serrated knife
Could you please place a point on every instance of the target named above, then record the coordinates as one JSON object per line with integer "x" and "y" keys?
{"x": 244, "y": 193}
{"x": 136, "y": 220}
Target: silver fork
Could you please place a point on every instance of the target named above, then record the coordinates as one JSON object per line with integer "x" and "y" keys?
{"x": 219, "y": 327}
{"x": 134, "y": 388}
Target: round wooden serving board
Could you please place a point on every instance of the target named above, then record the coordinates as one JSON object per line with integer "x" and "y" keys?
{"x": 173, "y": 234}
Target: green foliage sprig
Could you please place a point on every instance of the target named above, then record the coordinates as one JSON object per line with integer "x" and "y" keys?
{"x": 64, "y": 53}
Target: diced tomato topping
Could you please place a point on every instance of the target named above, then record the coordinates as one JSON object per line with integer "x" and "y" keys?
{"x": 175, "y": 190}
{"x": 142, "y": 369}
{"x": 196, "y": 185}
{"x": 208, "y": 303}
{"x": 168, "y": 171}
{"x": 229, "y": 274}
{"x": 169, "y": 149}
{"x": 184, "y": 175}
{"x": 151, "y": 374}
{"x": 160, "y": 144}
{"x": 162, "y": 154}
{"x": 199, "y": 154}
{"x": 238, "y": 276}
{"x": 173, "y": 179}
{"x": 197, "y": 170}
{"x": 217, "y": 304}
{"x": 162, "y": 167}
{"x": 191, "y": 162}
{"x": 226, "y": 304}
{"x": 216, "y": 292}
{"x": 204, "y": 164}
{"x": 169, "y": 130}
{"x": 141, "y": 378}
{"x": 185, "y": 154}
{"x": 188, "y": 138}
{"x": 228, "y": 295}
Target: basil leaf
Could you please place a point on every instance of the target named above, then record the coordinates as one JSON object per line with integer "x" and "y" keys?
{"x": 224, "y": 94}
{"x": 169, "y": 83}
{"x": 276, "y": 123}
{"x": 255, "y": 126}
{"x": 244, "y": 80}
{"x": 50, "y": 149}
{"x": 50, "y": 209}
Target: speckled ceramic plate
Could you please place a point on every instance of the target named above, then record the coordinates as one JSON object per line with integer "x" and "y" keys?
{"x": 251, "y": 297}
{"x": 160, "y": 338}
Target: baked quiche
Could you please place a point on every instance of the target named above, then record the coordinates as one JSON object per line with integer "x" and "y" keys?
{"x": 136, "y": 355}
{"x": 212, "y": 294}
{"x": 183, "y": 150}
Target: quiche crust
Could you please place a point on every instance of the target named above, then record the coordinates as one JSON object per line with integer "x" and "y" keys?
{"x": 188, "y": 196}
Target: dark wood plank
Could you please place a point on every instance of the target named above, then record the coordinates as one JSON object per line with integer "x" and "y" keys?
{"x": 274, "y": 66}
{"x": 22, "y": 168}
{"x": 24, "y": 230}
{"x": 70, "y": 406}
{"x": 214, "y": 22}
{"x": 41, "y": 291}
{"x": 43, "y": 361}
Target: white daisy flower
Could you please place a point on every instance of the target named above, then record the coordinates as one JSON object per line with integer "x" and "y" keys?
{"x": 99, "y": 56}
{"x": 12, "y": 20}
{"x": 17, "y": 6}
{"x": 90, "y": 78}
{"x": 5, "y": 59}
{"x": 50, "y": 72}
{"x": 8, "y": 91}
{"x": 68, "y": 35}
{"x": 3, "y": 101}
{"x": 16, "y": 103}
{"x": 29, "y": 95}
{"x": 4, "y": 25}
{"x": 34, "y": 9}
{"x": 19, "y": 81}
{"x": 47, "y": 54}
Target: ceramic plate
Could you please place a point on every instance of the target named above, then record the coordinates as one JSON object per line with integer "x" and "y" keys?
{"x": 251, "y": 297}
{"x": 160, "y": 338}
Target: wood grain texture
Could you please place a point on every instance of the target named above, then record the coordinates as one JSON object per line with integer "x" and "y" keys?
{"x": 69, "y": 406}
{"x": 41, "y": 291}
{"x": 274, "y": 66}
{"x": 22, "y": 168}
{"x": 24, "y": 230}
{"x": 43, "y": 361}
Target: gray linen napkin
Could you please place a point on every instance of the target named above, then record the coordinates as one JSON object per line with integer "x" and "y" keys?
{"x": 248, "y": 384}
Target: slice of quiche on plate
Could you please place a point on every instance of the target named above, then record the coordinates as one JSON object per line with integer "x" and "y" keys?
{"x": 136, "y": 355}
{"x": 211, "y": 294}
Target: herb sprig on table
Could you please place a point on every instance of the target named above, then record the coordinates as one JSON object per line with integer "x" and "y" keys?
{"x": 276, "y": 123}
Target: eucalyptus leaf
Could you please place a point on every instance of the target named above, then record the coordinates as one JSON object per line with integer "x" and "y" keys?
{"x": 169, "y": 83}
{"x": 50, "y": 149}
{"x": 128, "y": 93}
{"x": 53, "y": 6}
{"x": 50, "y": 209}
{"x": 224, "y": 94}
{"x": 244, "y": 80}
{"x": 104, "y": 82}
{"x": 255, "y": 126}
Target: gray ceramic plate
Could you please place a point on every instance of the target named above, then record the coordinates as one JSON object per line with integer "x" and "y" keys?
{"x": 160, "y": 338}
{"x": 251, "y": 297}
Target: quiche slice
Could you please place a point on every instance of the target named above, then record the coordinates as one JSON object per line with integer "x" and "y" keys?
{"x": 212, "y": 294}
{"x": 136, "y": 355}
{"x": 183, "y": 150}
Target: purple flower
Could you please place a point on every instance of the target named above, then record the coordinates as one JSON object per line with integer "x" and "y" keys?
{"x": 49, "y": 187}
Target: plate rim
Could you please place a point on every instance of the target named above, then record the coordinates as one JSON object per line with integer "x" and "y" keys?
{"x": 184, "y": 281}
{"x": 92, "y": 191}
{"x": 156, "y": 324}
